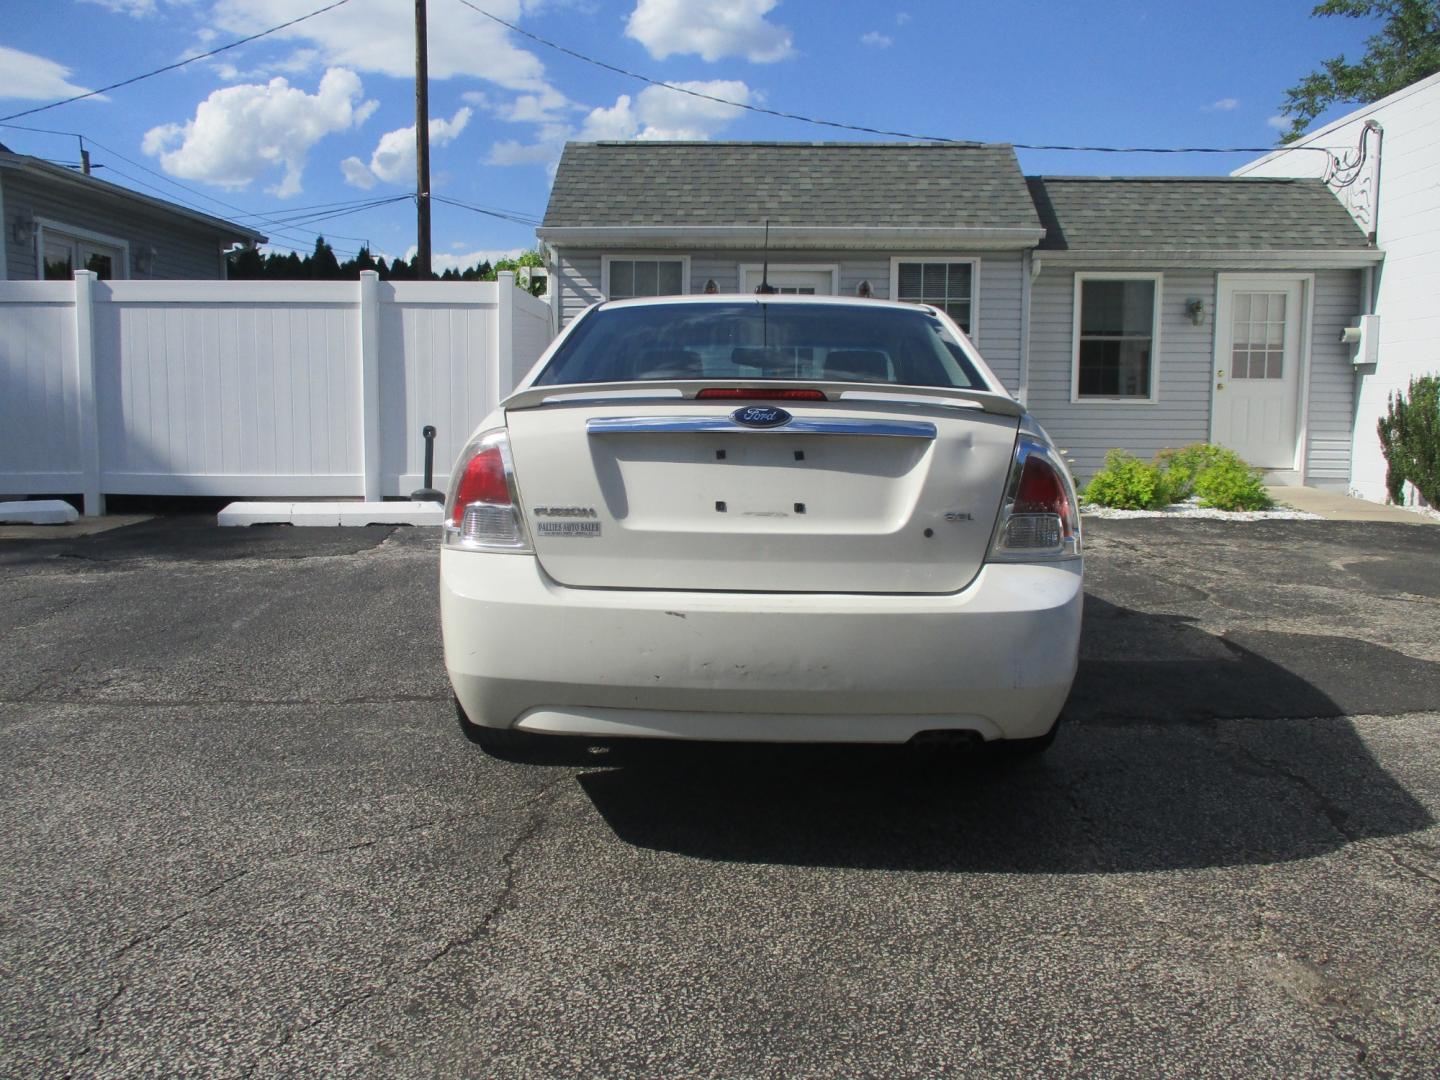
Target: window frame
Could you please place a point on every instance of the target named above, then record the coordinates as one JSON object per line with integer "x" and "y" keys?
{"x": 1157, "y": 279}
{"x": 643, "y": 256}
{"x": 974, "y": 262}
{"x": 833, "y": 269}
{"x": 79, "y": 236}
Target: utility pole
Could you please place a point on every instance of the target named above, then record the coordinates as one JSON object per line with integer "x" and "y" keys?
{"x": 422, "y": 144}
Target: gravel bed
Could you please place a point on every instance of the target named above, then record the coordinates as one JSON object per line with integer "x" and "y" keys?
{"x": 1191, "y": 508}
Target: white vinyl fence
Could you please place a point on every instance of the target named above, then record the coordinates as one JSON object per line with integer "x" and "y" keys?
{"x": 251, "y": 388}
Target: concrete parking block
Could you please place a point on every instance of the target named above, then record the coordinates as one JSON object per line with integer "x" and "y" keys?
{"x": 332, "y": 513}
{"x": 315, "y": 513}
{"x": 255, "y": 513}
{"x": 392, "y": 513}
{"x": 37, "y": 512}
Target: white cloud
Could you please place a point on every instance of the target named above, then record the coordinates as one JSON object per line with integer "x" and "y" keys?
{"x": 394, "y": 158}
{"x": 1279, "y": 123}
{"x": 655, "y": 113}
{"x": 665, "y": 114}
{"x": 357, "y": 173}
{"x": 711, "y": 30}
{"x": 135, "y": 8}
{"x": 442, "y": 261}
{"x": 33, "y": 78}
{"x": 376, "y": 35}
{"x": 513, "y": 152}
{"x": 241, "y": 133}
{"x": 541, "y": 108}
{"x": 478, "y": 98}
{"x": 901, "y": 18}
{"x": 616, "y": 122}
{"x": 1228, "y": 104}
{"x": 877, "y": 40}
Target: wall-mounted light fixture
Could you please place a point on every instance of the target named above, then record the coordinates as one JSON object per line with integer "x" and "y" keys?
{"x": 710, "y": 287}
{"x": 863, "y": 290}
{"x": 22, "y": 229}
{"x": 1195, "y": 308}
{"x": 145, "y": 260}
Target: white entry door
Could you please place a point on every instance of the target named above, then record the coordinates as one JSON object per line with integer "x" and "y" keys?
{"x": 1255, "y": 396}
{"x": 790, "y": 279}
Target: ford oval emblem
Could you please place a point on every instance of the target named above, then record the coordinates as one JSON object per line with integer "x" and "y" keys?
{"x": 761, "y": 416}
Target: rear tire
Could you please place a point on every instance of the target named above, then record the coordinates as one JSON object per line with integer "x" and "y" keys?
{"x": 506, "y": 744}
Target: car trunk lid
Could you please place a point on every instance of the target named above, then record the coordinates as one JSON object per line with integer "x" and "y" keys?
{"x": 870, "y": 495}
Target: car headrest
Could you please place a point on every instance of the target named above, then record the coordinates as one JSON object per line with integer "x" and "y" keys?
{"x": 857, "y": 365}
{"x": 668, "y": 364}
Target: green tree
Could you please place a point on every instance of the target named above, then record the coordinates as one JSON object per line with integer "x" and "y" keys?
{"x": 322, "y": 263}
{"x": 1406, "y": 50}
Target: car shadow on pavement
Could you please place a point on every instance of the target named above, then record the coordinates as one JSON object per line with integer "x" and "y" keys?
{"x": 1183, "y": 754}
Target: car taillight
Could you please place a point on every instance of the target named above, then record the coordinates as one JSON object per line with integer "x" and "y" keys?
{"x": 482, "y": 512}
{"x": 1039, "y": 518}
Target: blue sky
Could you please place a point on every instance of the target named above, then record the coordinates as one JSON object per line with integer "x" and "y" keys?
{"x": 322, "y": 113}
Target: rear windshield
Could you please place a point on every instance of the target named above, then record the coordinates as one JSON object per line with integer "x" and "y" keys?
{"x": 754, "y": 340}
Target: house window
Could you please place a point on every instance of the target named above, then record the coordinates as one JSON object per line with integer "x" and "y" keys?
{"x": 1116, "y": 331}
{"x": 946, "y": 284}
{"x": 645, "y": 277}
{"x": 62, "y": 253}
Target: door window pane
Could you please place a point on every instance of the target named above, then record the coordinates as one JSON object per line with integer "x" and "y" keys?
{"x": 59, "y": 265}
{"x": 1258, "y": 335}
{"x": 102, "y": 266}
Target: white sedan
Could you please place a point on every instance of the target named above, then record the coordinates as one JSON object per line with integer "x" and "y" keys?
{"x": 761, "y": 518}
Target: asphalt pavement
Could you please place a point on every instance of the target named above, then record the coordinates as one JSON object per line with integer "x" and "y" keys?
{"x": 242, "y": 835}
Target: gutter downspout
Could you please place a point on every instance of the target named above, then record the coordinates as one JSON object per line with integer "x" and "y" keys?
{"x": 1029, "y": 270}
{"x": 552, "y": 285}
{"x": 4, "y": 228}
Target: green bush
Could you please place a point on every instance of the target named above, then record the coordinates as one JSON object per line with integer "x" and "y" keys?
{"x": 1124, "y": 482}
{"x": 1231, "y": 485}
{"x": 1219, "y": 476}
{"x": 1180, "y": 468}
{"x": 1410, "y": 438}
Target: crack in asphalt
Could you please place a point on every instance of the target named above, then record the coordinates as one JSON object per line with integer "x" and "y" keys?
{"x": 97, "y": 1023}
{"x": 199, "y": 899}
{"x": 539, "y": 804}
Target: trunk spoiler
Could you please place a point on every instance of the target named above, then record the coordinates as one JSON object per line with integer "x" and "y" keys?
{"x": 668, "y": 391}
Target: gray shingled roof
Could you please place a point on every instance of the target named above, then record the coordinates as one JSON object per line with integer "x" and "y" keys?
{"x": 1220, "y": 213}
{"x": 898, "y": 185}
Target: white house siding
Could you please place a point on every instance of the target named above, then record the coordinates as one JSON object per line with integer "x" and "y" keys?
{"x": 578, "y": 284}
{"x": 1409, "y": 234}
{"x": 1332, "y": 379}
{"x": 998, "y": 310}
{"x": 1086, "y": 430}
{"x": 181, "y": 251}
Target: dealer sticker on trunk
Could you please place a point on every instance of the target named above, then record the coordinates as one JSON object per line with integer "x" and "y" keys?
{"x": 568, "y": 528}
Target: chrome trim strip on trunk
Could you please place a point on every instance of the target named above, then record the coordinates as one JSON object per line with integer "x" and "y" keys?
{"x": 631, "y": 425}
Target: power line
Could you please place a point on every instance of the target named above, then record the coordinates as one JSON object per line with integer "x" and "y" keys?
{"x": 516, "y": 218}
{"x": 270, "y": 219}
{"x": 861, "y": 127}
{"x": 178, "y": 64}
{"x": 286, "y": 234}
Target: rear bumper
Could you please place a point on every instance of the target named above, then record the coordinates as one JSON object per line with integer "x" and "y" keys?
{"x": 523, "y": 651}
